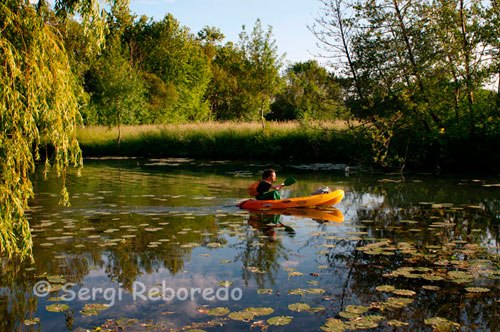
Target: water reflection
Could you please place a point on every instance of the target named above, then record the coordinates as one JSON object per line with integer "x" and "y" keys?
{"x": 180, "y": 224}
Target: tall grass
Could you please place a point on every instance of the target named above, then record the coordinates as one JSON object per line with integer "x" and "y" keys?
{"x": 283, "y": 141}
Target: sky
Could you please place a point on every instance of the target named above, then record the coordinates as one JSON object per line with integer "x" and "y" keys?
{"x": 288, "y": 18}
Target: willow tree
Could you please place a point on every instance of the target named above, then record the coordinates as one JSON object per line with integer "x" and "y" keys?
{"x": 39, "y": 106}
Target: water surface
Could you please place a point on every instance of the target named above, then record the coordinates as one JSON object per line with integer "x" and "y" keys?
{"x": 409, "y": 249}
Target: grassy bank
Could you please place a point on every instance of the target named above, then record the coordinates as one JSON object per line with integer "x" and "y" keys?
{"x": 328, "y": 142}
{"x": 277, "y": 141}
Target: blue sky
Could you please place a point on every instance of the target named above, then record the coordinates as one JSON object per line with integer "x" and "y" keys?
{"x": 289, "y": 19}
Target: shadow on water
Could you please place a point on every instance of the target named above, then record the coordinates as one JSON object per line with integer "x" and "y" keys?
{"x": 395, "y": 254}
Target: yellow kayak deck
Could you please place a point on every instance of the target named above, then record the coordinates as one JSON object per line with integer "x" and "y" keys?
{"x": 298, "y": 202}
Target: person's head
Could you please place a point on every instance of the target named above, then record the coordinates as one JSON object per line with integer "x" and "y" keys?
{"x": 269, "y": 175}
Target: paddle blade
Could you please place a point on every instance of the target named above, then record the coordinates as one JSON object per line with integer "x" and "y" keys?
{"x": 289, "y": 181}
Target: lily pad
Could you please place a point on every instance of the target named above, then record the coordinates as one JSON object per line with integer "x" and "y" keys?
{"x": 404, "y": 292}
{"x": 385, "y": 288}
{"x": 299, "y": 307}
{"x": 334, "y": 325}
{"x": 264, "y": 291}
{"x": 315, "y": 291}
{"x": 262, "y": 311}
{"x": 441, "y": 323}
{"x": 219, "y": 311}
{"x": 397, "y": 323}
{"x": 279, "y": 320}
{"x": 477, "y": 289}
{"x": 295, "y": 274}
{"x": 356, "y": 309}
{"x": 33, "y": 321}
{"x": 57, "y": 307}
{"x": 241, "y": 315}
{"x": 225, "y": 283}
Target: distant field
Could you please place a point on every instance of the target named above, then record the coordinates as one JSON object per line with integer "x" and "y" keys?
{"x": 102, "y": 133}
{"x": 330, "y": 141}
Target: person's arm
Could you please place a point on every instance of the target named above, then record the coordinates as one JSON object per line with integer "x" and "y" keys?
{"x": 278, "y": 187}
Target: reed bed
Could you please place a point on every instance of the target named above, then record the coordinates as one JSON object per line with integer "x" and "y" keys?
{"x": 235, "y": 140}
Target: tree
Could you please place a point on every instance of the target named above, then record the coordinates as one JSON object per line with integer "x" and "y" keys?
{"x": 310, "y": 93}
{"x": 38, "y": 105}
{"x": 335, "y": 33}
{"x": 172, "y": 53}
{"x": 263, "y": 64}
{"x": 116, "y": 88}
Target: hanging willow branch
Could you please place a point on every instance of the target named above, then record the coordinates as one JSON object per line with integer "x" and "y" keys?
{"x": 38, "y": 105}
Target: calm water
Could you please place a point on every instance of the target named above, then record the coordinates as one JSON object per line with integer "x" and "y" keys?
{"x": 138, "y": 228}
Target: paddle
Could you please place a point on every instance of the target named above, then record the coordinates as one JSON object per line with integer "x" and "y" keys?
{"x": 289, "y": 181}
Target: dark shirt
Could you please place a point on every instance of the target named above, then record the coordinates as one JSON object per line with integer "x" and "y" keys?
{"x": 263, "y": 187}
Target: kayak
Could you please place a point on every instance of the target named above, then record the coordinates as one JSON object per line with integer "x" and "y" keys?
{"x": 298, "y": 202}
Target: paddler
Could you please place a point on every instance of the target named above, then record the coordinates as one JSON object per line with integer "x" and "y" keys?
{"x": 265, "y": 189}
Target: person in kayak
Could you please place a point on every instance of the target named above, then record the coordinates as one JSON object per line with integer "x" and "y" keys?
{"x": 266, "y": 189}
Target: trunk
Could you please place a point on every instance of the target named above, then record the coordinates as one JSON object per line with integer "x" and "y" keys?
{"x": 346, "y": 50}
{"x": 119, "y": 132}
{"x": 457, "y": 89}
{"x": 468, "y": 74}
{"x": 498, "y": 91}
{"x": 262, "y": 113}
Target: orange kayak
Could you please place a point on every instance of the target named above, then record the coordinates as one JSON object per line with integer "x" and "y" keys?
{"x": 307, "y": 201}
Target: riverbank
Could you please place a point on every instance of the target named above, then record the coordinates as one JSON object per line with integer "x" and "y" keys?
{"x": 277, "y": 141}
{"x": 334, "y": 142}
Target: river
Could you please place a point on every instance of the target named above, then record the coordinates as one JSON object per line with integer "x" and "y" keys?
{"x": 151, "y": 245}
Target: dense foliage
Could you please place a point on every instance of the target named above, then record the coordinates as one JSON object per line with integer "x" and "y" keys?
{"x": 424, "y": 74}
{"x": 39, "y": 104}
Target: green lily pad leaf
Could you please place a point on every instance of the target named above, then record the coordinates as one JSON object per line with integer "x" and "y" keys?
{"x": 404, "y": 292}
{"x": 241, "y": 315}
{"x": 315, "y": 291}
{"x": 57, "y": 307}
{"x": 299, "y": 307}
{"x": 348, "y": 315}
{"x": 264, "y": 291}
{"x": 397, "y": 323}
{"x": 297, "y": 291}
{"x": 385, "y": 288}
{"x": 322, "y": 266}
{"x": 255, "y": 269}
{"x": 225, "y": 283}
{"x": 356, "y": 309}
{"x": 33, "y": 321}
{"x": 430, "y": 287}
{"x": 260, "y": 311}
{"x": 317, "y": 309}
{"x": 225, "y": 261}
{"x": 313, "y": 282}
{"x": 279, "y": 320}
{"x": 365, "y": 322}
{"x": 289, "y": 269}
{"x": 295, "y": 274}
{"x": 441, "y": 323}
{"x": 219, "y": 311}
{"x": 334, "y": 325}
{"x": 477, "y": 289}
{"x": 55, "y": 299}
